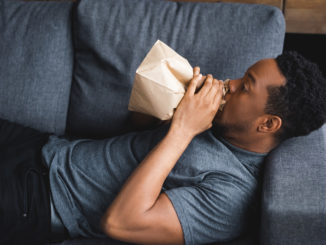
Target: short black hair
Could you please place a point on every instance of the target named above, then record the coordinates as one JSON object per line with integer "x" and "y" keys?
{"x": 301, "y": 102}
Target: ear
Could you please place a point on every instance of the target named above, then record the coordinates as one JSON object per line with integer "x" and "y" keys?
{"x": 269, "y": 124}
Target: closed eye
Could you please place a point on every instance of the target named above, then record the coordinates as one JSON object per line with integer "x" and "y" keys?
{"x": 243, "y": 86}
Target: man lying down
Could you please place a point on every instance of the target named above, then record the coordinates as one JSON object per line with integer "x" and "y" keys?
{"x": 192, "y": 181}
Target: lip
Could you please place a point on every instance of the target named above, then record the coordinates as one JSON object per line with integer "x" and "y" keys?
{"x": 226, "y": 89}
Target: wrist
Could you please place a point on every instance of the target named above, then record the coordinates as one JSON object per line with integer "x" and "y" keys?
{"x": 180, "y": 134}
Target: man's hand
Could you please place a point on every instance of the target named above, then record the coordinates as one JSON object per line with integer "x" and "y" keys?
{"x": 141, "y": 213}
{"x": 196, "y": 111}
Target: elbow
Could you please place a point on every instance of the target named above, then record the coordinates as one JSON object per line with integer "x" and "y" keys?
{"x": 108, "y": 225}
{"x": 121, "y": 227}
{"x": 105, "y": 226}
{"x": 116, "y": 226}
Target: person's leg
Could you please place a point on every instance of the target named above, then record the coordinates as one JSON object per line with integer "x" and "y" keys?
{"x": 24, "y": 203}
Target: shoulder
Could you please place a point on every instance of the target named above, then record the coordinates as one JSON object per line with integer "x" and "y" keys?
{"x": 214, "y": 210}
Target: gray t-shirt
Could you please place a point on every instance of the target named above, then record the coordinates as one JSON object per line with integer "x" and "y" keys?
{"x": 213, "y": 186}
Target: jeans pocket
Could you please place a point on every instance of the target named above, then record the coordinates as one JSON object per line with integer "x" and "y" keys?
{"x": 28, "y": 190}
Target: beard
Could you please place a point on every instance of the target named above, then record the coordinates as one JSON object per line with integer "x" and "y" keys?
{"x": 230, "y": 129}
{"x": 219, "y": 129}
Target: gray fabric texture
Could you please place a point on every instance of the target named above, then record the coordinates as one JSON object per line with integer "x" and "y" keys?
{"x": 294, "y": 204}
{"x": 36, "y": 61}
{"x": 213, "y": 186}
{"x": 112, "y": 38}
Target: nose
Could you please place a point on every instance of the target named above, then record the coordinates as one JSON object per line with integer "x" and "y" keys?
{"x": 233, "y": 85}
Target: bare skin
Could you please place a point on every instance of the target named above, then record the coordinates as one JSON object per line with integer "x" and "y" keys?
{"x": 243, "y": 119}
{"x": 141, "y": 213}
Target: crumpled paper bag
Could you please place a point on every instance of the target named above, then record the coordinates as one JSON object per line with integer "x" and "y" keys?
{"x": 161, "y": 81}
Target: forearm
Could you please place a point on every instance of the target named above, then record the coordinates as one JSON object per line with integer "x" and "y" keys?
{"x": 143, "y": 187}
{"x": 139, "y": 211}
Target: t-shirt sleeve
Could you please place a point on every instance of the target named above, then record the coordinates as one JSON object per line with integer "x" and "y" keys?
{"x": 213, "y": 211}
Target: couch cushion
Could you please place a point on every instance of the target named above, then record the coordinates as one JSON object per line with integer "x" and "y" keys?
{"x": 35, "y": 63}
{"x": 112, "y": 38}
{"x": 294, "y": 206}
{"x": 243, "y": 240}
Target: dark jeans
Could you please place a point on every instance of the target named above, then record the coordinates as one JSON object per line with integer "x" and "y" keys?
{"x": 24, "y": 203}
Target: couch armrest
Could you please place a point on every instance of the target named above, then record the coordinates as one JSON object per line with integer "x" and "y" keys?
{"x": 294, "y": 192}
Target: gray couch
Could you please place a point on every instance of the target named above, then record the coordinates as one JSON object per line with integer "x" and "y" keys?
{"x": 67, "y": 68}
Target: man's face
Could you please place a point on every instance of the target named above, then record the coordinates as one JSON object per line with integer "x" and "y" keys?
{"x": 247, "y": 98}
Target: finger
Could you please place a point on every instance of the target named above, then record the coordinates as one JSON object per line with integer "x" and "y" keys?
{"x": 212, "y": 92}
{"x": 196, "y": 70}
{"x": 200, "y": 83}
{"x": 219, "y": 94}
{"x": 193, "y": 83}
{"x": 207, "y": 85}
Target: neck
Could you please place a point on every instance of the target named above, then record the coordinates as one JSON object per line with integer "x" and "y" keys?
{"x": 250, "y": 147}
{"x": 248, "y": 139}
{"x": 259, "y": 143}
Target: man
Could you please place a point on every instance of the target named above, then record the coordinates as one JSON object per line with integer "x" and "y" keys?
{"x": 182, "y": 183}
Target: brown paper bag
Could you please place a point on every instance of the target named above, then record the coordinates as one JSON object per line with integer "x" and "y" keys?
{"x": 160, "y": 82}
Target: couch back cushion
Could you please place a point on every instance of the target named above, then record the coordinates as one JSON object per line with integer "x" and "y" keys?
{"x": 112, "y": 38}
{"x": 36, "y": 61}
